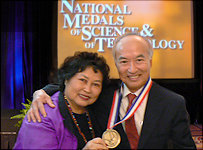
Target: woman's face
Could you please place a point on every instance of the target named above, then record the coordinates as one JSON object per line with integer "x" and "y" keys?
{"x": 83, "y": 89}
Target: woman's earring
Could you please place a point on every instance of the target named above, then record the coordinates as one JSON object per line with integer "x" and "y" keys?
{"x": 65, "y": 83}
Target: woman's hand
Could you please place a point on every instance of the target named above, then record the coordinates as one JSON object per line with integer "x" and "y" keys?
{"x": 96, "y": 143}
{"x": 40, "y": 98}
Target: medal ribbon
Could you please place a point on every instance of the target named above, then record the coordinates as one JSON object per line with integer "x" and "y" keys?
{"x": 117, "y": 101}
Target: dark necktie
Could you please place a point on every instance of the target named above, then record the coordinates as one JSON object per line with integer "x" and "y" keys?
{"x": 130, "y": 126}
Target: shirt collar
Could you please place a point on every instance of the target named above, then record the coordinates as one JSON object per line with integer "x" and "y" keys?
{"x": 126, "y": 90}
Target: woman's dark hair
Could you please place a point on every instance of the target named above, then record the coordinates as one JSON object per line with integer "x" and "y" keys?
{"x": 78, "y": 63}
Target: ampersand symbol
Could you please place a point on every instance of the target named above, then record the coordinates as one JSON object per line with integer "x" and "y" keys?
{"x": 146, "y": 31}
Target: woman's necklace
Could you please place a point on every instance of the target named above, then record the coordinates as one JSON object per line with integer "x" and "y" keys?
{"x": 76, "y": 123}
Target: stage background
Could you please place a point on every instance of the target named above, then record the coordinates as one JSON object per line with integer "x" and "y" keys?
{"x": 93, "y": 26}
{"x": 29, "y": 54}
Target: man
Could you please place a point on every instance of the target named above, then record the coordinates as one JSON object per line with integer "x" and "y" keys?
{"x": 157, "y": 117}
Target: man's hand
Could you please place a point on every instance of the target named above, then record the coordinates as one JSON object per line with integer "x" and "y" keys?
{"x": 96, "y": 143}
{"x": 40, "y": 98}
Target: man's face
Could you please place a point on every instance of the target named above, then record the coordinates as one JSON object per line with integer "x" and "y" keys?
{"x": 133, "y": 61}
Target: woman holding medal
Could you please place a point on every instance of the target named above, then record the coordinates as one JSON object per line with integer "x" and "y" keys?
{"x": 69, "y": 125}
{"x": 144, "y": 114}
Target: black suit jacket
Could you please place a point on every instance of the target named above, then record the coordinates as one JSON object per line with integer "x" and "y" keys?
{"x": 166, "y": 123}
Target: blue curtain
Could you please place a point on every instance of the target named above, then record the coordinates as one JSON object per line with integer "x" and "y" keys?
{"x": 16, "y": 58}
{"x": 28, "y": 49}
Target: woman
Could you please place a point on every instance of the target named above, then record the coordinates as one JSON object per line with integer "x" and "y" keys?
{"x": 68, "y": 125}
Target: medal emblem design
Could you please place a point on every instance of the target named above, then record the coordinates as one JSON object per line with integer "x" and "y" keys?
{"x": 112, "y": 138}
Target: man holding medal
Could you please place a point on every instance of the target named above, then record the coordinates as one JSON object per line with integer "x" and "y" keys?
{"x": 135, "y": 113}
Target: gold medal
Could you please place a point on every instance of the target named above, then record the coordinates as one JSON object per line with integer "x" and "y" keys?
{"x": 112, "y": 138}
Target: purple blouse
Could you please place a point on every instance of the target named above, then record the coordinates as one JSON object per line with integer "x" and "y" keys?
{"x": 50, "y": 133}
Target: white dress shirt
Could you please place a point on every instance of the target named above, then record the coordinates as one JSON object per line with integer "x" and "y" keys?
{"x": 139, "y": 114}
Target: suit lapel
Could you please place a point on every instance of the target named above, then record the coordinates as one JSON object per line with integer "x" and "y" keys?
{"x": 152, "y": 113}
{"x": 124, "y": 139}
